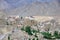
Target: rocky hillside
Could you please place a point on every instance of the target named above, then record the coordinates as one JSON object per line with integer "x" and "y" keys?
{"x": 38, "y": 8}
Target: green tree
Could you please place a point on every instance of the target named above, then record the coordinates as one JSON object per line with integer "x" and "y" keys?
{"x": 56, "y": 35}
{"x": 8, "y": 37}
{"x": 28, "y": 30}
{"x": 47, "y": 35}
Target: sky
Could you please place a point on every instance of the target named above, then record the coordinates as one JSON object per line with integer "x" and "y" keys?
{"x": 11, "y": 4}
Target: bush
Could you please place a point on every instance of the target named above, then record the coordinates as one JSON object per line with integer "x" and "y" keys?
{"x": 22, "y": 28}
{"x": 8, "y": 37}
{"x": 29, "y": 39}
{"x": 28, "y": 30}
{"x": 33, "y": 39}
{"x": 47, "y": 35}
{"x": 35, "y": 31}
{"x": 56, "y": 35}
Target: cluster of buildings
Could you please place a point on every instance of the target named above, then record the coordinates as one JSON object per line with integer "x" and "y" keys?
{"x": 41, "y": 23}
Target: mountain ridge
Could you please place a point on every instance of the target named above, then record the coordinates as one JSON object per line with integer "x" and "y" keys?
{"x": 38, "y": 8}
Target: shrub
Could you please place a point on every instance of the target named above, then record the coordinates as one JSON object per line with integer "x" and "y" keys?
{"x": 28, "y": 30}
{"x": 56, "y": 35}
{"x": 46, "y": 35}
{"x": 8, "y": 37}
{"x": 33, "y": 39}
{"x": 29, "y": 39}
{"x": 35, "y": 31}
{"x": 22, "y": 28}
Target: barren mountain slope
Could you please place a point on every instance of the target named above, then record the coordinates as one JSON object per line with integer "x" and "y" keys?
{"x": 37, "y": 8}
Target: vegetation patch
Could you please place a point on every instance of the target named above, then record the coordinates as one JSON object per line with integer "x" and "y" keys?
{"x": 46, "y": 35}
